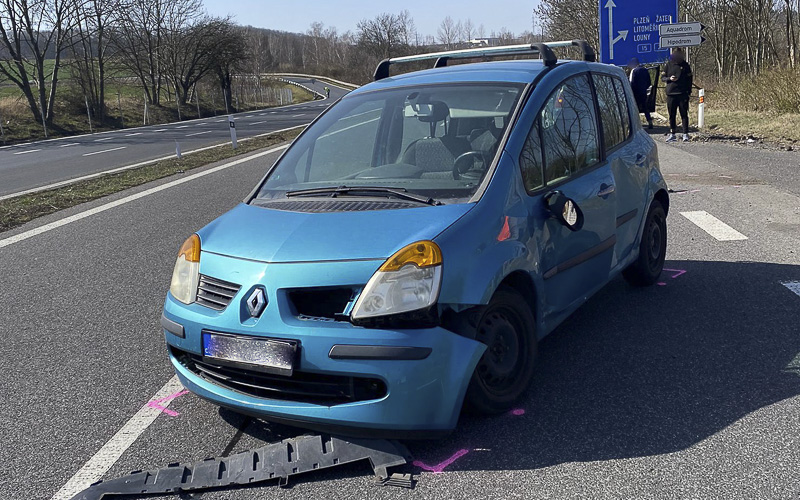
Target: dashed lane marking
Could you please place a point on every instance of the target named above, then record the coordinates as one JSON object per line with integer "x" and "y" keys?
{"x": 794, "y": 286}
{"x": 133, "y": 134}
{"x": 70, "y": 144}
{"x": 108, "y": 455}
{"x": 103, "y": 139}
{"x": 713, "y": 226}
{"x": 104, "y": 151}
{"x": 199, "y": 133}
{"x": 26, "y": 152}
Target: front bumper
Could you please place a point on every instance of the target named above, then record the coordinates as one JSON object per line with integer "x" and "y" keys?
{"x": 424, "y": 388}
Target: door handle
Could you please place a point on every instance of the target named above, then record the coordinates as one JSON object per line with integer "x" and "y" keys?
{"x": 605, "y": 190}
{"x": 640, "y": 160}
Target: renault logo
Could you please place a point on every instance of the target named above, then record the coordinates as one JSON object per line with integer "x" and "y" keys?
{"x": 256, "y": 302}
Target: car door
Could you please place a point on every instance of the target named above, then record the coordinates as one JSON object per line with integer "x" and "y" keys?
{"x": 562, "y": 154}
{"x": 627, "y": 154}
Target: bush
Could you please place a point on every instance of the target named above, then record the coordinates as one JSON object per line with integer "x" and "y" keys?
{"x": 773, "y": 90}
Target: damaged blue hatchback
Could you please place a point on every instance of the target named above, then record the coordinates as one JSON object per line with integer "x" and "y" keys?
{"x": 404, "y": 256}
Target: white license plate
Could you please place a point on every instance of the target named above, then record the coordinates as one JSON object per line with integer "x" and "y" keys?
{"x": 267, "y": 355}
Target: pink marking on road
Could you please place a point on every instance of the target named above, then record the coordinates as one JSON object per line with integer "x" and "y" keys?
{"x": 155, "y": 403}
{"x": 678, "y": 272}
{"x": 662, "y": 284}
{"x": 695, "y": 190}
{"x": 437, "y": 469}
{"x": 518, "y": 412}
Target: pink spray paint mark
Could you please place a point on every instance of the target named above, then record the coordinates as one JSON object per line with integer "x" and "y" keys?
{"x": 695, "y": 190}
{"x": 518, "y": 412}
{"x": 156, "y": 403}
{"x": 678, "y": 272}
{"x": 437, "y": 469}
{"x": 662, "y": 284}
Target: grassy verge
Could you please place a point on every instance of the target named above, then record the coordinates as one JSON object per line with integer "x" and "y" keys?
{"x": 17, "y": 211}
{"x": 124, "y": 112}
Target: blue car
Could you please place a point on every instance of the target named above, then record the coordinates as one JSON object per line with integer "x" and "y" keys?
{"x": 407, "y": 252}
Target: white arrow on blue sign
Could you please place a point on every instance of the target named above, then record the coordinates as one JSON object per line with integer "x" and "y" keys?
{"x": 630, "y": 28}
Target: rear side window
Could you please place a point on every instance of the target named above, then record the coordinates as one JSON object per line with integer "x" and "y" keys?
{"x": 530, "y": 160}
{"x": 615, "y": 127}
{"x": 569, "y": 130}
{"x": 624, "y": 107}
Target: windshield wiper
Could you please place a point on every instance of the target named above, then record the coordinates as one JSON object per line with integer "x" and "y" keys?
{"x": 401, "y": 193}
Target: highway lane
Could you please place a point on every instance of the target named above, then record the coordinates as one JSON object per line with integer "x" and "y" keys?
{"x": 32, "y": 165}
{"x": 689, "y": 389}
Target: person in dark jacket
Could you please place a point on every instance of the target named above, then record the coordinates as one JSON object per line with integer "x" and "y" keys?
{"x": 641, "y": 83}
{"x": 678, "y": 77}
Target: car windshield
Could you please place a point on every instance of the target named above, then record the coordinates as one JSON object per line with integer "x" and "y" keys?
{"x": 436, "y": 141}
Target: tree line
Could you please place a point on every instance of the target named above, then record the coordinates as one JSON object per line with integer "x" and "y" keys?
{"x": 167, "y": 47}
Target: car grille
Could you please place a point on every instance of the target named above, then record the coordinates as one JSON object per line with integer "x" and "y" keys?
{"x": 214, "y": 293}
{"x": 303, "y": 387}
{"x": 321, "y": 304}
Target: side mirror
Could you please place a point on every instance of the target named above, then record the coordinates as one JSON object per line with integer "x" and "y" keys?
{"x": 564, "y": 210}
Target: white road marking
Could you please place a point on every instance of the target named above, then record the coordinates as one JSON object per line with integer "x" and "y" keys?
{"x": 70, "y": 144}
{"x": 220, "y": 121}
{"x": 298, "y": 116}
{"x": 160, "y": 130}
{"x": 136, "y": 165}
{"x": 714, "y": 226}
{"x": 103, "y": 139}
{"x": 122, "y": 201}
{"x": 794, "y": 286}
{"x": 258, "y": 123}
{"x": 135, "y": 133}
{"x": 104, "y": 151}
{"x": 93, "y": 470}
{"x": 199, "y": 133}
{"x": 26, "y": 152}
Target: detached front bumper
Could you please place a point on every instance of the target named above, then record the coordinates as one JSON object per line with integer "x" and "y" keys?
{"x": 422, "y": 373}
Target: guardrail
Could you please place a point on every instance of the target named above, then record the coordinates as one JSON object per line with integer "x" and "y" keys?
{"x": 313, "y": 92}
{"x": 317, "y": 77}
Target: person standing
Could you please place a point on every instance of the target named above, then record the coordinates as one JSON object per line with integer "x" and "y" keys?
{"x": 641, "y": 83}
{"x": 678, "y": 77}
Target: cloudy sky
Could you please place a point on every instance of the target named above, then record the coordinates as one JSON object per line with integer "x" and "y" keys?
{"x": 344, "y": 14}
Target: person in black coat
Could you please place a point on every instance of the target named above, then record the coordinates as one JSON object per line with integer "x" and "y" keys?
{"x": 678, "y": 77}
{"x": 641, "y": 83}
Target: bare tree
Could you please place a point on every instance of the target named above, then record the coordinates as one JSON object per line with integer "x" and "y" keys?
{"x": 384, "y": 35}
{"x": 468, "y": 30}
{"x": 31, "y": 32}
{"x": 449, "y": 32}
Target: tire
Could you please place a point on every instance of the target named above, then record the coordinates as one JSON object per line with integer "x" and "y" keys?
{"x": 505, "y": 370}
{"x": 652, "y": 249}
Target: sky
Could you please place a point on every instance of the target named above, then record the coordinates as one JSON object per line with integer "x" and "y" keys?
{"x": 344, "y": 14}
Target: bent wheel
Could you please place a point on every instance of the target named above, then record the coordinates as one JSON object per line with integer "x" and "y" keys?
{"x": 505, "y": 370}
{"x": 652, "y": 249}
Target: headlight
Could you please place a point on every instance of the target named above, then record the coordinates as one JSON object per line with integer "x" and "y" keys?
{"x": 187, "y": 271}
{"x": 408, "y": 281}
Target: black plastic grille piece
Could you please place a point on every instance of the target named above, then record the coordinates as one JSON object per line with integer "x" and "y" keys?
{"x": 321, "y": 303}
{"x": 304, "y": 387}
{"x": 215, "y": 293}
{"x": 320, "y": 206}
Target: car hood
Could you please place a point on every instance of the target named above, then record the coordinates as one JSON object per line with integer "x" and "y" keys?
{"x": 267, "y": 235}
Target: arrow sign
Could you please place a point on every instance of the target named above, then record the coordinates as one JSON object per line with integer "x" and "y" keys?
{"x": 668, "y": 42}
{"x": 680, "y": 29}
{"x": 623, "y": 34}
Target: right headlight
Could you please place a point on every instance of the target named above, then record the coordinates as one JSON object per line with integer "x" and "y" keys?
{"x": 408, "y": 281}
{"x": 186, "y": 274}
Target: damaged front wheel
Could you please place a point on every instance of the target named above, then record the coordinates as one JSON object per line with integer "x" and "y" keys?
{"x": 505, "y": 370}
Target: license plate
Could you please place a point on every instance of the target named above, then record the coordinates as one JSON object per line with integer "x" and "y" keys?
{"x": 266, "y": 355}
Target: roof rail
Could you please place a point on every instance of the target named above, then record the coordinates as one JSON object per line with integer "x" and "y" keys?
{"x": 544, "y": 49}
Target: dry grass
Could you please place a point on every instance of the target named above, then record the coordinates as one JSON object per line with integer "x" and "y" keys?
{"x": 17, "y": 211}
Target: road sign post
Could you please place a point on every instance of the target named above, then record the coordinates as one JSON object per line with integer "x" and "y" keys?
{"x": 232, "y": 126}
{"x": 630, "y": 28}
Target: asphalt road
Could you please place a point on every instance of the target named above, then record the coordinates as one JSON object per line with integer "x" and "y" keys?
{"x": 686, "y": 390}
{"x": 32, "y": 165}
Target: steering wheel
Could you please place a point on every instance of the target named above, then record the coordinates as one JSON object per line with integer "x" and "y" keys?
{"x": 461, "y": 165}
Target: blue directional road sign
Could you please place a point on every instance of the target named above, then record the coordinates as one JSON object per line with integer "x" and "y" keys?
{"x": 629, "y": 28}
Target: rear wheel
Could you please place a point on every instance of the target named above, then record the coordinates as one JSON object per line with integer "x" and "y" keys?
{"x": 505, "y": 370}
{"x": 652, "y": 249}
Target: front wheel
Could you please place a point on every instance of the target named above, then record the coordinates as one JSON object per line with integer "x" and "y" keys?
{"x": 652, "y": 249}
{"x": 505, "y": 370}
